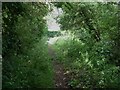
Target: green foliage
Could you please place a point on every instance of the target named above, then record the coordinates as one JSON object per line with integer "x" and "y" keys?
{"x": 24, "y": 48}
{"x": 92, "y": 55}
{"x": 20, "y": 23}
{"x": 89, "y": 69}
{"x": 31, "y": 70}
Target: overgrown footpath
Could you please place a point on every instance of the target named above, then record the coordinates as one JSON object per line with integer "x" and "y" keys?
{"x": 61, "y": 78}
{"x": 91, "y": 55}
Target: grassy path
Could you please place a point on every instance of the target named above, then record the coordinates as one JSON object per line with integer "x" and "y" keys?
{"x": 60, "y": 78}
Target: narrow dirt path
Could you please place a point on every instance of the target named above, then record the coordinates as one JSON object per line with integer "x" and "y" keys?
{"x": 60, "y": 78}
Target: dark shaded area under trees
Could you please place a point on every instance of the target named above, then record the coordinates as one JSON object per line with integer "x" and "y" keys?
{"x": 23, "y": 46}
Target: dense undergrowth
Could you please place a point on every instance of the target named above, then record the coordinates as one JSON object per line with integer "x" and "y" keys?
{"x": 32, "y": 69}
{"x": 87, "y": 68}
{"x": 25, "y": 52}
{"x": 92, "y": 54}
